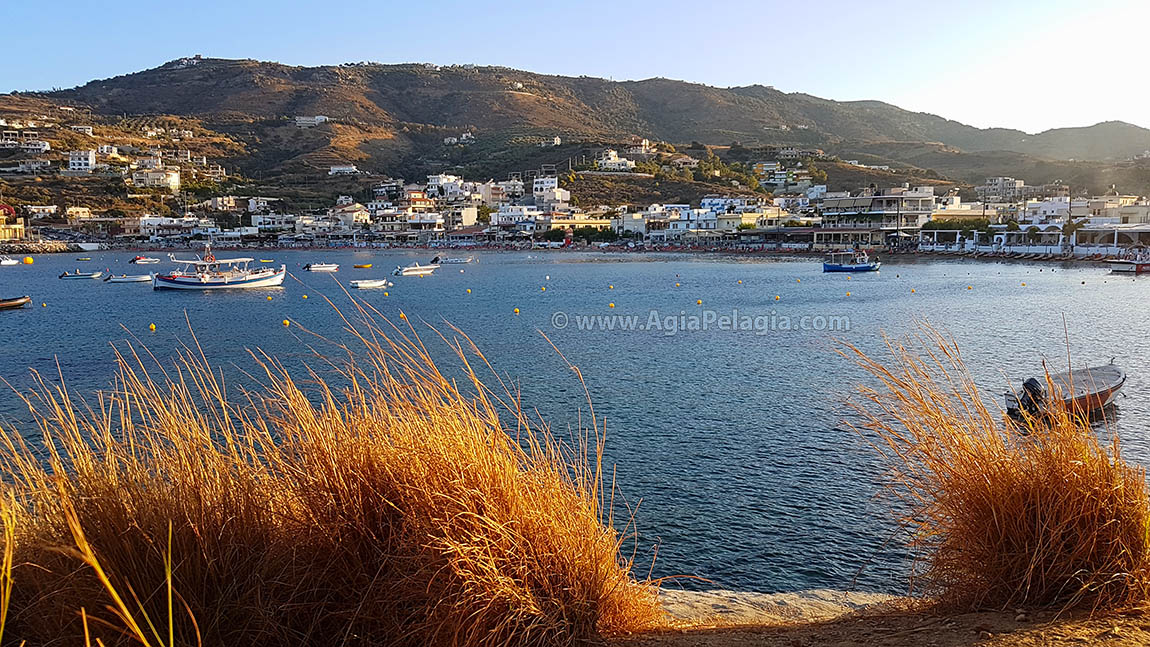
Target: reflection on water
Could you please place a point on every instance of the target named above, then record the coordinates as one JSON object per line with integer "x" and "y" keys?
{"x": 734, "y": 441}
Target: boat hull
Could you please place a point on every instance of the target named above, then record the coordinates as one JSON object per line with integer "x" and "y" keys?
{"x": 1130, "y": 267}
{"x": 362, "y": 285}
{"x": 12, "y": 304}
{"x": 852, "y": 267}
{"x": 76, "y": 277}
{"x": 264, "y": 280}
{"x": 142, "y": 278}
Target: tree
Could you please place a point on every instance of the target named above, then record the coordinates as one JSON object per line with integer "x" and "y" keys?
{"x": 483, "y": 214}
{"x": 743, "y": 226}
{"x": 1032, "y": 234}
{"x": 555, "y": 235}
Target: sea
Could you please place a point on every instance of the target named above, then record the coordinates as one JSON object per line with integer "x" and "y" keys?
{"x": 717, "y": 380}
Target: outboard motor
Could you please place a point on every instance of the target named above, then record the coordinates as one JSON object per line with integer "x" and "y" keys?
{"x": 1033, "y": 399}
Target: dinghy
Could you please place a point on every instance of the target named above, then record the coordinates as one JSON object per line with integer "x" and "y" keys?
{"x": 1082, "y": 390}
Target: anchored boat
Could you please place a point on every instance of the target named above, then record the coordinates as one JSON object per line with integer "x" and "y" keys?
{"x": 144, "y": 260}
{"x": 81, "y": 275}
{"x": 451, "y": 260}
{"x": 16, "y": 302}
{"x": 211, "y": 273}
{"x": 129, "y": 278}
{"x": 370, "y": 283}
{"x": 856, "y": 261}
{"x": 415, "y": 270}
{"x": 321, "y": 267}
{"x": 4, "y": 260}
{"x": 1081, "y": 390}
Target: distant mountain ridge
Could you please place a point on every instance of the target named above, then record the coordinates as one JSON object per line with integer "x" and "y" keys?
{"x": 495, "y": 98}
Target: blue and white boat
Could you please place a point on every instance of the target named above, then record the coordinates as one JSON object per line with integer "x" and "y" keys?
{"x": 211, "y": 273}
{"x": 856, "y": 261}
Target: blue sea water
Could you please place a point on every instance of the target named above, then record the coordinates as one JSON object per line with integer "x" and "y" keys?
{"x": 732, "y": 444}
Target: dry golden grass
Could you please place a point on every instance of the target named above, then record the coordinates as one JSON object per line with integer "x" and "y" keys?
{"x": 396, "y": 509}
{"x": 1046, "y": 514}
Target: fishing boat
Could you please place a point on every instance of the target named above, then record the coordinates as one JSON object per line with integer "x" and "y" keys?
{"x": 370, "y": 283}
{"x": 856, "y": 261}
{"x": 1081, "y": 390}
{"x": 415, "y": 270}
{"x": 81, "y": 275}
{"x": 1126, "y": 266}
{"x": 129, "y": 278}
{"x": 321, "y": 267}
{"x": 450, "y": 260}
{"x": 5, "y": 260}
{"x": 144, "y": 260}
{"x": 211, "y": 273}
{"x": 16, "y": 302}
{"x": 362, "y": 266}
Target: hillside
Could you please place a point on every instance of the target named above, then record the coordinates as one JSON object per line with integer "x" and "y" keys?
{"x": 392, "y": 119}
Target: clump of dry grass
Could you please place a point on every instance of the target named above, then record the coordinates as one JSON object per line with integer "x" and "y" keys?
{"x": 1001, "y": 515}
{"x": 397, "y": 509}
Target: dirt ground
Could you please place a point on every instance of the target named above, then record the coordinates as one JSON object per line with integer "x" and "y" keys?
{"x": 891, "y": 623}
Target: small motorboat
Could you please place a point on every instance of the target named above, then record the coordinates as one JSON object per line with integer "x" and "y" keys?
{"x": 129, "y": 278}
{"x": 267, "y": 260}
{"x": 1082, "y": 390}
{"x": 81, "y": 275}
{"x": 362, "y": 266}
{"x": 83, "y": 258}
{"x": 415, "y": 270}
{"x": 5, "y": 260}
{"x": 16, "y": 302}
{"x": 370, "y": 283}
{"x": 1127, "y": 266}
{"x": 856, "y": 261}
{"x": 321, "y": 267}
{"x": 449, "y": 260}
{"x": 144, "y": 260}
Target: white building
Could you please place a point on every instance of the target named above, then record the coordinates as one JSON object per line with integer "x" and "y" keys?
{"x": 164, "y": 178}
{"x": 107, "y": 149}
{"x": 509, "y": 215}
{"x": 270, "y": 222}
{"x": 543, "y": 184}
{"x": 309, "y": 122}
{"x": 41, "y": 209}
{"x": 86, "y": 130}
{"x": 343, "y": 169}
{"x": 259, "y": 203}
{"x": 610, "y": 161}
{"x": 35, "y": 146}
{"x": 81, "y": 161}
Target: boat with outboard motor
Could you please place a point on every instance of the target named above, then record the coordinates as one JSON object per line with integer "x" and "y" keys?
{"x": 451, "y": 260}
{"x": 1081, "y": 390}
{"x": 6, "y": 260}
{"x": 415, "y": 270}
{"x": 81, "y": 275}
{"x": 13, "y": 303}
{"x": 853, "y": 261}
{"x": 144, "y": 260}
{"x": 321, "y": 267}
{"x": 211, "y": 273}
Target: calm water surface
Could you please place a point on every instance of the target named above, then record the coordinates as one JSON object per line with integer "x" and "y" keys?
{"x": 733, "y": 441}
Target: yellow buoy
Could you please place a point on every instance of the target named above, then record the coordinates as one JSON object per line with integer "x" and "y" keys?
{"x": 798, "y": 280}
{"x": 777, "y": 297}
{"x": 698, "y": 302}
{"x": 676, "y": 285}
{"x": 912, "y": 290}
{"x": 610, "y": 305}
{"x": 152, "y": 327}
{"x": 517, "y": 311}
{"x": 305, "y": 296}
{"x": 610, "y": 287}
{"x": 385, "y": 294}
{"x": 970, "y": 287}
{"x": 469, "y": 290}
{"x": 269, "y": 298}
{"x": 402, "y": 316}
{"x": 543, "y": 288}
{"x": 27, "y": 260}
{"x": 848, "y": 278}
{"x": 740, "y": 281}
{"x": 43, "y": 305}
{"x": 1024, "y": 284}
{"x": 286, "y": 322}
{"x": 848, "y": 294}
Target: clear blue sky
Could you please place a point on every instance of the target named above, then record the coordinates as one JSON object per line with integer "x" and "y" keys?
{"x": 1023, "y": 64}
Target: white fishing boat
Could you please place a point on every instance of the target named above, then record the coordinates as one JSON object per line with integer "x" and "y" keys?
{"x": 144, "y": 260}
{"x": 370, "y": 283}
{"x": 211, "y": 273}
{"x": 321, "y": 267}
{"x": 415, "y": 270}
{"x": 452, "y": 260}
{"x": 1081, "y": 390}
{"x": 81, "y": 275}
{"x": 128, "y": 278}
{"x": 5, "y": 260}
